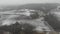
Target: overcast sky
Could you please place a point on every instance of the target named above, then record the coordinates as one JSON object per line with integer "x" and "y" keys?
{"x": 19, "y": 2}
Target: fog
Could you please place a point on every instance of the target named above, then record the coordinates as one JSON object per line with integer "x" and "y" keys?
{"x": 20, "y": 2}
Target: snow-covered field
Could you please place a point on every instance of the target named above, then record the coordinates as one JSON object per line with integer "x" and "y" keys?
{"x": 39, "y": 23}
{"x": 10, "y": 19}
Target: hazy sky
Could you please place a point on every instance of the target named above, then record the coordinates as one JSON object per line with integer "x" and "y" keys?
{"x": 17, "y": 2}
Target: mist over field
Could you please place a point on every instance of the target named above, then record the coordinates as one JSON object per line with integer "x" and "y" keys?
{"x": 37, "y": 6}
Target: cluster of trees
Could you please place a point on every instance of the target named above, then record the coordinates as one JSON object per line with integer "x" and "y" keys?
{"x": 35, "y": 15}
{"x": 17, "y": 28}
{"x": 53, "y": 21}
